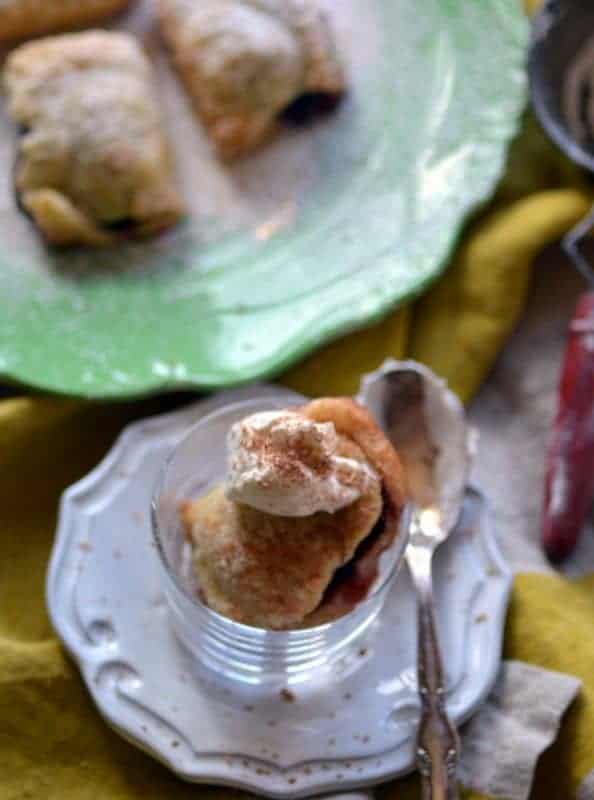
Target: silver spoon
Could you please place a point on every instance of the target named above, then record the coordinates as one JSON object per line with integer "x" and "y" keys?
{"x": 426, "y": 423}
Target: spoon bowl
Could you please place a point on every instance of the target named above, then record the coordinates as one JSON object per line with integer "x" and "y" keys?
{"x": 426, "y": 423}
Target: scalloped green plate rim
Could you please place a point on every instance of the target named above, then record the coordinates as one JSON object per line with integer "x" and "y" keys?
{"x": 420, "y": 143}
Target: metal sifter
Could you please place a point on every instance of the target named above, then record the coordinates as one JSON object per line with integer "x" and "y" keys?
{"x": 561, "y": 72}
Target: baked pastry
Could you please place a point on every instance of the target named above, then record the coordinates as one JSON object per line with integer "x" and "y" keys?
{"x": 259, "y": 559}
{"x": 92, "y": 164}
{"x": 20, "y": 19}
{"x": 245, "y": 62}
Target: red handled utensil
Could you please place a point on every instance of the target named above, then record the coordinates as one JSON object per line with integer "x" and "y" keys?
{"x": 561, "y": 70}
{"x": 569, "y": 481}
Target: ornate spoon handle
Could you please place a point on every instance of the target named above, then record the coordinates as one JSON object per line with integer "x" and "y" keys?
{"x": 438, "y": 745}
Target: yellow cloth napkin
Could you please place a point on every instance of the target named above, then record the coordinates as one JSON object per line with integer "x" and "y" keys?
{"x": 53, "y": 744}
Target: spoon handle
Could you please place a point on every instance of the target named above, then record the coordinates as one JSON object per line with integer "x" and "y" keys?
{"x": 438, "y": 745}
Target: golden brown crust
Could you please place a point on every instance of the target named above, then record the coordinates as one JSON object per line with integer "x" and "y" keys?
{"x": 245, "y": 61}
{"x": 20, "y": 19}
{"x": 93, "y": 154}
{"x": 273, "y": 572}
{"x": 353, "y": 421}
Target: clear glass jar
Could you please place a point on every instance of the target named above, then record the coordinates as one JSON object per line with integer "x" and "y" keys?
{"x": 231, "y": 649}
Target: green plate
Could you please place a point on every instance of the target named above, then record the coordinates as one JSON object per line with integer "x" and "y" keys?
{"x": 322, "y": 232}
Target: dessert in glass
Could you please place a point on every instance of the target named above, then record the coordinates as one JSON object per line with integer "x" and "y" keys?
{"x": 280, "y": 529}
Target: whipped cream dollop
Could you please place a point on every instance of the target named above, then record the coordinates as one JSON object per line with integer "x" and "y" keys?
{"x": 285, "y": 464}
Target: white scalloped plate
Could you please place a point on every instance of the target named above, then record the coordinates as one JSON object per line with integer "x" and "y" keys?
{"x": 354, "y": 729}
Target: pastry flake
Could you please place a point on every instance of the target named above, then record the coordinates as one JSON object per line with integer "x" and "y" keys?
{"x": 21, "y": 19}
{"x": 92, "y": 163}
{"x": 245, "y": 62}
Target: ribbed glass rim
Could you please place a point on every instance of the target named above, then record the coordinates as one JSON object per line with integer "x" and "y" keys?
{"x": 240, "y": 627}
